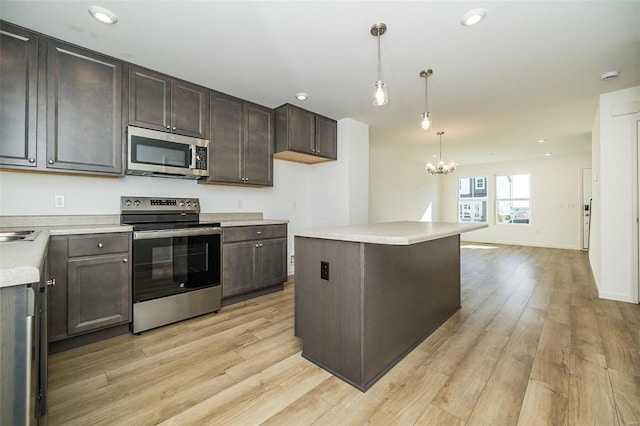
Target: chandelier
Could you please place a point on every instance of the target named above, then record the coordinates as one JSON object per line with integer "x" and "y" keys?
{"x": 441, "y": 168}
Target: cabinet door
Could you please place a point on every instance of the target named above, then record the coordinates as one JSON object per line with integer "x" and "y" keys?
{"x": 326, "y": 137}
{"x": 302, "y": 129}
{"x": 99, "y": 292}
{"x": 149, "y": 99}
{"x": 238, "y": 269}
{"x": 272, "y": 262}
{"x": 18, "y": 96}
{"x": 189, "y": 109}
{"x": 258, "y": 145}
{"x": 84, "y": 107}
{"x": 225, "y": 146}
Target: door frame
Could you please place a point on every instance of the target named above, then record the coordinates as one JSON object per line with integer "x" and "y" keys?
{"x": 583, "y": 178}
{"x": 636, "y": 212}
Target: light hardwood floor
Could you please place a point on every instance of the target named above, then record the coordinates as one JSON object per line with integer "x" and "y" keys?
{"x": 532, "y": 344}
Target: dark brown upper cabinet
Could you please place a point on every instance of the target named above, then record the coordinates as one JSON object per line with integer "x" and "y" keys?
{"x": 18, "y": 96}
{"x": 304, "y": 136}
{"x": 159, "y": 102}
{"x": 241, "y": 145}
{"x": 84, "y": 109}
{"x": 60, "y": 106}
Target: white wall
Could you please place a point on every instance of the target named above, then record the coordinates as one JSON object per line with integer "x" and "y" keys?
{"x": 612, "y": 259}
{"x": 400, "y": 188}
{"x": 595, "y": 243}
{"x": 306, "y": 195}
{"x": 556, "y": 210}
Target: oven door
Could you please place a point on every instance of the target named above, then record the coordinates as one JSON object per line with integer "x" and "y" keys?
{"x": 170, "y": 262}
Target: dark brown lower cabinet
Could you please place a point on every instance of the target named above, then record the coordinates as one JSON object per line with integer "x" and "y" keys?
{"x": 252, "y": 264}
{"x": 93, "y": 283}
{"x": 97, "y": 292}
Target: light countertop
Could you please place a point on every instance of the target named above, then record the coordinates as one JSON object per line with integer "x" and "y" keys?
{"x": 391, "y": 233}
{"x": 20, "y": 261}
{"x": 254, "y": 222}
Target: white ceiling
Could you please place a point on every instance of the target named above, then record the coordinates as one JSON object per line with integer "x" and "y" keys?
{"x": 530, "y": 70}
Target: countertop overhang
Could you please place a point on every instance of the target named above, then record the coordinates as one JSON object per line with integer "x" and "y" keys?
{"x": 391, "y": 233}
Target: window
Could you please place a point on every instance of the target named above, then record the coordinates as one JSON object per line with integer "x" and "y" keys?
{"x": 512, "y": 199}
{"x": 472, "y": 199}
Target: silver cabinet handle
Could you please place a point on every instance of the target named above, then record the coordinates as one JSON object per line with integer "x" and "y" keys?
{"x": 51, "y": 282}
{"x": 259, "y": 232}
{"x": 257, "y": 245}
{"x": 125, "y": 260}
{"x": 50, "y": 161}
{"x": 168, "y": 127}
{"x": 100, "y": 245}
{"x": 32, "y": 160}
{"x": 174, "y": 128}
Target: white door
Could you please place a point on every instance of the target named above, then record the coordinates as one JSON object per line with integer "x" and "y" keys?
{"x": 586, "y": 207}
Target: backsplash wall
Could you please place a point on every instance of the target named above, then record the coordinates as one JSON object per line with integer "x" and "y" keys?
{"x": 306, "y": 195}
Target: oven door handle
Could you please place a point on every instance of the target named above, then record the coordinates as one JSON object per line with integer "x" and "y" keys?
{"x": 170, "y": 233}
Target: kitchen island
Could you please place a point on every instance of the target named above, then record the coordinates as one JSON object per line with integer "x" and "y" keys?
{"x": 366, "y": 295}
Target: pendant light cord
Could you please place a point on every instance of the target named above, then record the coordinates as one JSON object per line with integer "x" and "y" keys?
{"x": 426, "y": 94}
{"x": 379, "y": 66}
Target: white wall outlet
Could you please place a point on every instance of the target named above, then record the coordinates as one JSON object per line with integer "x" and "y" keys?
{"x": 58, "y": 201}
{"x": 292, "y": 259}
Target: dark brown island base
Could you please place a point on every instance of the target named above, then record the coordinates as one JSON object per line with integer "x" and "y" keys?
{"x": 367, "y": 295}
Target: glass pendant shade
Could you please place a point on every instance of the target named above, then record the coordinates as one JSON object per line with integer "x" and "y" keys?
{"x": 426, "y": 121}
{"x": 380, "y": 97}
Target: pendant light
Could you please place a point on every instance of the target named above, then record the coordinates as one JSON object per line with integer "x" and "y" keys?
{"x": 426, "y": 115}
{"x": 441, "y": 168}
{"x": 380, "y": 96}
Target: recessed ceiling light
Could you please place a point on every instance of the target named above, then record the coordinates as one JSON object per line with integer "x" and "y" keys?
{"x": 611, "y": 75}
{"x": 103, "y": 15}
{"x": 548, "y": 154}
{"x": 473, "y": 16}
{"x": 541, "y": 140}
{"x": 301, "y": 96}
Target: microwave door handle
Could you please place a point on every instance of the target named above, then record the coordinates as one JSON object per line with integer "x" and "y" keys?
{"x": 192, "y": 161}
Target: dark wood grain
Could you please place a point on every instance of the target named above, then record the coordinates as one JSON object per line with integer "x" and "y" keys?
{"x": 83, "y": 110}
{"x": 18, "y": 96}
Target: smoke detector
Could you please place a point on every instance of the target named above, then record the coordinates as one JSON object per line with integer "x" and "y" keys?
{"x": 611, "y": 75}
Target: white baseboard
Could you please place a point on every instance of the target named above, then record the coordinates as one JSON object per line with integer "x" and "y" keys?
{"x": 617, "y": 297}
{"x": 526, "y": 244}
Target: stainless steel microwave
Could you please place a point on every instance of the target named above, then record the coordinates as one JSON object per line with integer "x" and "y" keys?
{"x": 154, "y": 153}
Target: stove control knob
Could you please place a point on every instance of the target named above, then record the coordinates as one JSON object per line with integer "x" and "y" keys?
{"x": 195, "y": 203}
{"x": 181, "y": 203}
{"x": 188, "y": 203}
{"x": 127, "y": 203}
{"x": 182, "y": 285}
{"x": 136, "y": 202}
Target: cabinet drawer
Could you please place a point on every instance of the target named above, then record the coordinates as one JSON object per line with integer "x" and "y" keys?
{"x": 244, "y": 233}
{"x": 89, "y": 245}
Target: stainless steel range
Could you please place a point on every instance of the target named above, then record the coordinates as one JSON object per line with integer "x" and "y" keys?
{"x": 176, "y": 260}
